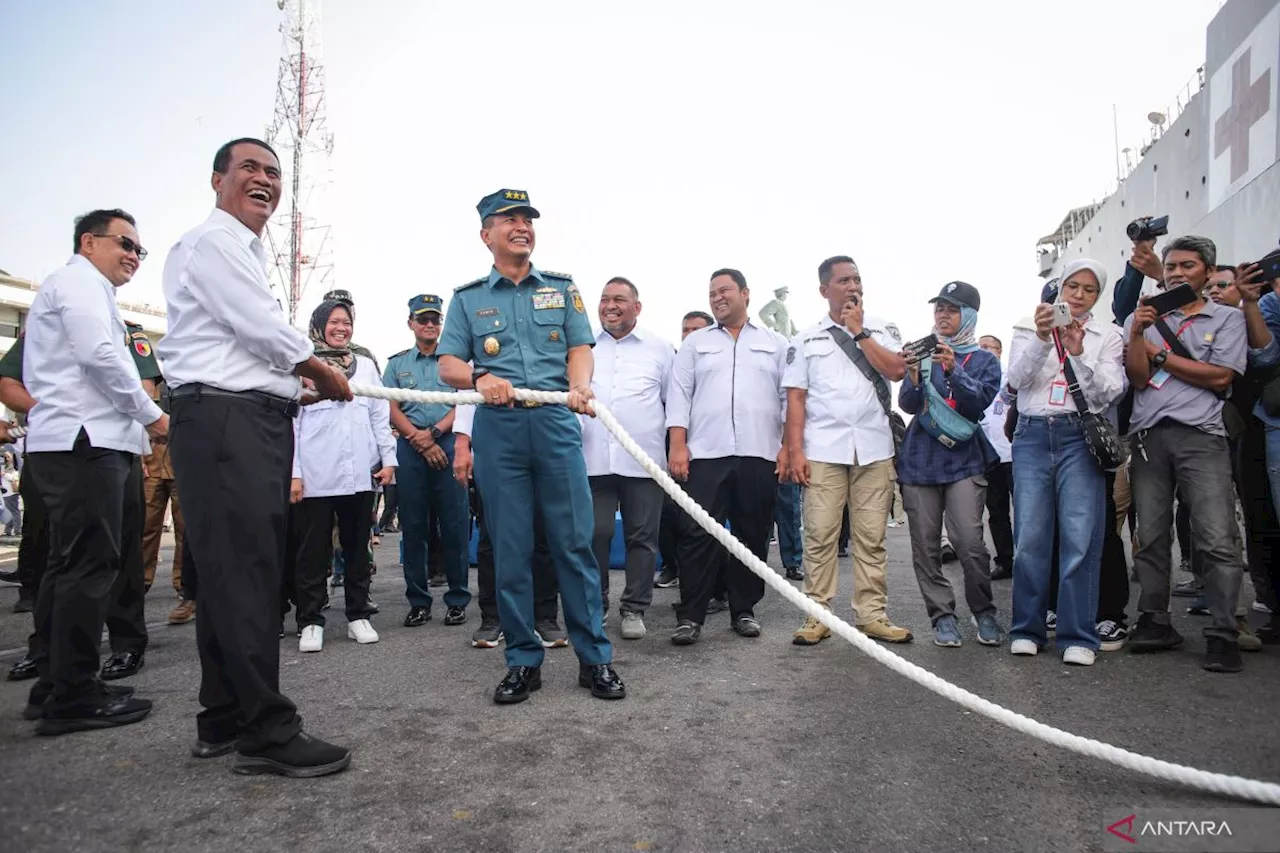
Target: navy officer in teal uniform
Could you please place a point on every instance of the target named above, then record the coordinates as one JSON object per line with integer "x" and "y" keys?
{"x": 522, "y": 327}
{"x": 424, "y": 478}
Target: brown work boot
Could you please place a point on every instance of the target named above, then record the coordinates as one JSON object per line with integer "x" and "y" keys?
{"x": 810, "y": 633}
{"x": 183, "y": 612}
{"x": 883, "y": 629}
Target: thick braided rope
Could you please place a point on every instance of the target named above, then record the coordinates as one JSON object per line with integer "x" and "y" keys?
{"x": 1218, "y": 783}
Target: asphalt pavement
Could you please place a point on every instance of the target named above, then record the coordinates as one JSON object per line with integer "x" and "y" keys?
{"x": 732, "y": 744}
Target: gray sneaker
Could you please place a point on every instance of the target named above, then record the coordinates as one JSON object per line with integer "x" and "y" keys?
{"x": 633, "y": 626}
{"x": 487, "y": 636}
{"x": 551, "y": 635}
{"x": 989, "y": 632}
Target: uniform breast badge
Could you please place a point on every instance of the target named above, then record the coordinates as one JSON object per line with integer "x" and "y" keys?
{"x": 491, "y": 346}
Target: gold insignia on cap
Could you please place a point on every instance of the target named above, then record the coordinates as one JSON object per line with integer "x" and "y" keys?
{"x": 491, "y": 346}
{"x": 514, "y": 195}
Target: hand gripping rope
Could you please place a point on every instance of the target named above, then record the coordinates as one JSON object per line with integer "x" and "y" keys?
{"x": 1218, "y": 783}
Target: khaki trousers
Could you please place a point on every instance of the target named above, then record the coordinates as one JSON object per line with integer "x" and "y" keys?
{"x": 868, "y": 492}
{"x": 157, "y": 493}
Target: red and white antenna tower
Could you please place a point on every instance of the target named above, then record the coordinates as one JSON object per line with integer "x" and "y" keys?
{"x": 298, "y": 239}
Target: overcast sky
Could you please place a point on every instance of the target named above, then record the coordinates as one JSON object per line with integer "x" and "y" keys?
{"x": 931, "y": 141}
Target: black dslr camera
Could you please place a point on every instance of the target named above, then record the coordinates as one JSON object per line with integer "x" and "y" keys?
{"x": 1147, "y": 228}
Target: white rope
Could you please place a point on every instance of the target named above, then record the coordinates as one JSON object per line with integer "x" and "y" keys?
{"x": 1218, "y": 783}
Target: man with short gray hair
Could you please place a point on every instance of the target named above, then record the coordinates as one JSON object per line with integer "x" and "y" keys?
{"x": 1181, "y": 366}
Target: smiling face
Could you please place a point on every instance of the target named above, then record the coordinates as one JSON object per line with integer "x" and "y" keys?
{"x": 618, "y": 309}
{"x": 107, "y": 252}
{"x": 426, "y": 328}
{"x": 946, "y": 318}
{"x": 1081, "y": 292}
{"x": 337, "y": 329}
{"x": 728, "y": 301}
{"x": 509, "y": 236}
{"x": 250, "y": 188}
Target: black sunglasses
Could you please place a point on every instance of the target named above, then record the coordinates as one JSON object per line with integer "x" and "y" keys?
{"x": 127, "y": 244}
{"x": 1220, "y": 285}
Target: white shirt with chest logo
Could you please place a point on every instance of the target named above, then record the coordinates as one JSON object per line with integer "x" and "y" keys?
{"x": 844, "y": 422}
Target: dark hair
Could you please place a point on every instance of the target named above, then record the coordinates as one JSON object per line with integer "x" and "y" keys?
{"x": 1202, "y": 246}
{"x": 825, "y": 268}
{"x": 700, "y": 315}
{"x": 222, "y": 160}
{"x": 617, "y": 279}
{"x": 1226, "y": 267}
{"x": 738, "y": 278}
{"x": 96, "y": 222}
{"x": 994, "y": 338}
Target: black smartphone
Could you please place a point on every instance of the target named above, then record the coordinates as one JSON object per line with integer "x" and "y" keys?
{"x": 1270, "y": 265}
{"x": 1171, "y": 300}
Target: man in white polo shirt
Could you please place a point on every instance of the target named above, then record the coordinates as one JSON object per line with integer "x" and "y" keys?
{"x": 840, "y": 446}
{"x": 632, "y": 369}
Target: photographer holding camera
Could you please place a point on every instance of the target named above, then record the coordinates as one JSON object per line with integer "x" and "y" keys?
{"x": 1183, "y": 353}
{"x": 1058, "y": 484}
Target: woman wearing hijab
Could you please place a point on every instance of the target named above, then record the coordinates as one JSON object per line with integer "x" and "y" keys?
{"x": 1058, "y": 485}
{"x": 943, "y": 462}
{"x": 340, "y": 450}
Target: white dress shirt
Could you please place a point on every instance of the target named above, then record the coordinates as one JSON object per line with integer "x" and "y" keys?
{"x": 844, "y": 423}
{"x": 993, "y": 425}
{"x": 76, "y": 363}
{"x": 337, "y": 445}
{"x": 728, "y": 394}
{"x": 464, "y": 416}
{"x": 631, "y": 375}
{"x": 226, "y": 330}
{"x": 1034, "y": 367}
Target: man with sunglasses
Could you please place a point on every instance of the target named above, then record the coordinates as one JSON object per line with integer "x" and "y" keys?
{"x": 86, "y": 435}
{"x": 426, "y": 488}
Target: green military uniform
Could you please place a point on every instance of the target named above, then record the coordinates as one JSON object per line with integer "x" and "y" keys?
{"x": 425, "y": 493}
{"x": 529, "y": 458}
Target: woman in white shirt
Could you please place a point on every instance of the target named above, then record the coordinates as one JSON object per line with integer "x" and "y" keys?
{"x": 1057, "y": 484}
{"x": 340, "y": 450}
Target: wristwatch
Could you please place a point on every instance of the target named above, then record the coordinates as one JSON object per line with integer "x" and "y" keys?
{"x": 1158, "y": 360}
{"x": 861, "y": 336}
{"x": 436, "y": 432}
{"x": 476, "y": 373}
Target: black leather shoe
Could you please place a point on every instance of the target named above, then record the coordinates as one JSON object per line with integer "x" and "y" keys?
{"x": 23, "y": 669}
{"x": 1002, "y": 574}
{"x": 603, "y": 681}
{"x": 9, "y": 577}
{"x": 121, "y": 665}
{"x": 746, "y": 626}
{"x": 109, "y": 712}
{"x": 717, "y": 605}
{"x": 686, "y": 633}
{"x": 455, "y": 616}
{"x": 795, "y": 573}
{"x": 303, "y": 757}
{"x": 418, "y": 616}
{"x": 25, "y": 604}
{"x": 519, "y": 683}
{"x": 207, "y": 749}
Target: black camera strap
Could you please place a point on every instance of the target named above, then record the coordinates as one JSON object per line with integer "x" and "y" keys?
{"x": 859, "y": 358}
{"x": 1176, "y": 346}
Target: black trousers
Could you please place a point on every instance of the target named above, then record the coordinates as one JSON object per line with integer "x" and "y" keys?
{"x": 999, "y": 496}
{"x": 1262, "y": 529}
{"x": 126, "y": 617}
{"x": 354, "y": 515}
{"x": 545, "y": 585}
{"x": 741, "y": 490}
{"x": 390, "y": 503}
{"x": 232, "y": 457}
{"x": 1113, "y": 573}
{"x": 673, "y": 527}
{"x": 83, "y": 491}
{"x": 33, "y": 550}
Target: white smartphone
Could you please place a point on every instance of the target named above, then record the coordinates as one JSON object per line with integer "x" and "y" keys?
{"x": 1061, "y": 314}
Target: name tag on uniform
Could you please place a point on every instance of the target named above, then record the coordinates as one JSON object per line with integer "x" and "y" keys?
{"x": 1058, "y": 393}
{"x": 1158, "y": 379}
{"x": 554, "y": 299}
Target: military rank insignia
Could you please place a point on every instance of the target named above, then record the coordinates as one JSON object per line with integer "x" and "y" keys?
{"x": 577, "y": 299}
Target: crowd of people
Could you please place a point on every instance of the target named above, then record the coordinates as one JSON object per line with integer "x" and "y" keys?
{"x": 248, "y": 430}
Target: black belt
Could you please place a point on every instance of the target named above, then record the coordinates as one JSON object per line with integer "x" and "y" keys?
{"x": 196, "y": 390}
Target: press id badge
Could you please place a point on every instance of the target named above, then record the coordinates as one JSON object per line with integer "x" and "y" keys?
{"x": 1158, "y": 379}
{"x": 1058, "y": 393}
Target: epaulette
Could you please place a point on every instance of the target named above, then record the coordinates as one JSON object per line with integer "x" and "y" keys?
{"x": 563, "y": 275}
{"x": 480, "y": 280}
{"x": 397, "y": 355}
{"x": 132, "y": 326}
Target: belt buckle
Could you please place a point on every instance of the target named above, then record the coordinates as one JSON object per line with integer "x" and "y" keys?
{"x": 530, "y": 404}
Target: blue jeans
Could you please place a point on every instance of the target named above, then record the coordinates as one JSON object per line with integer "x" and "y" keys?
{"x": 1058, "y": 485}
{"x": 426, "y": 492}
{"x": 786, "y": 514}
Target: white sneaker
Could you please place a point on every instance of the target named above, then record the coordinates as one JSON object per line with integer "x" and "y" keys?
{"x": 312, "y": 639}
{"x": 1079, "y": 656}
{"x": 1024, "y": 647}
{"x": 632, "y": 626}
{"x": 362, "y": 632}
